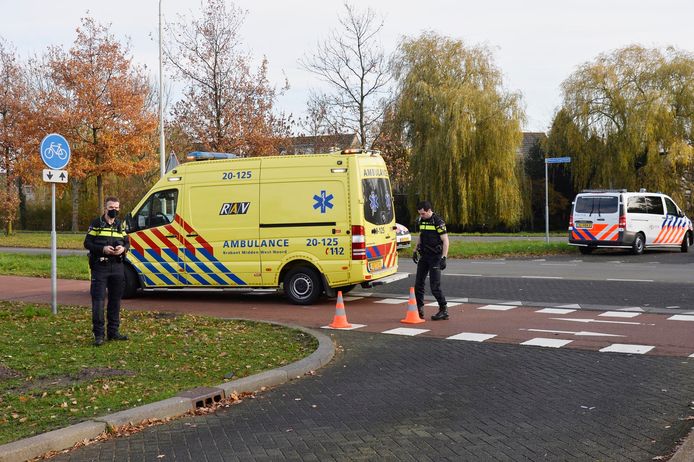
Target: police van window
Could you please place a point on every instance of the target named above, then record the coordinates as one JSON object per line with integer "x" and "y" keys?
{"x": 655, "y": 205}
{"x": 378, "y": 203}
{"x": 671, "y": 207}
{"x": 597, "y": 205}
{"x": 159, "y": 210}
{"x": 637, "y": 204}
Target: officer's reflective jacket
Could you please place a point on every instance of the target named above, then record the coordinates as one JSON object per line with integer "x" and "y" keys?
{"x": 101, "y": 234}
{"x": 430, "y": 231}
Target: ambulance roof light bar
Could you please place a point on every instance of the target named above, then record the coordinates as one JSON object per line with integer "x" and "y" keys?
{"x": 200, "y": 155}
{"x": 373, "y": 152}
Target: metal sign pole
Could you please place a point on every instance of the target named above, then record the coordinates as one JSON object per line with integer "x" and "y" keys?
{"x": 546, "y": 206}
{"x": 54, "y": 258}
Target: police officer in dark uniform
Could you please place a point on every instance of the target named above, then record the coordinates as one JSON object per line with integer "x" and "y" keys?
{"x": 107, "y": 243}
{"x": 430, "y": 256}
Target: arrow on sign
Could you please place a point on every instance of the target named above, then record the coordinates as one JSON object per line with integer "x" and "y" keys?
{"x": 62, "y": 176}
{"x": 49, "y": 175}
{"x": 580, "y": 334}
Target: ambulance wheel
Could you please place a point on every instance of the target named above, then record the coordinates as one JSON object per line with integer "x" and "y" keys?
{"x": 132, "y": 282}
{"x": 586, "y": 250}
{"x": 302, "y": 285}
{"x": 685, "y": 243}
{"x": 638, "y": 245}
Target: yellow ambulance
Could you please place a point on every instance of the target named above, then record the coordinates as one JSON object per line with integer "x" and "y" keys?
{"x": 308, "y": 224}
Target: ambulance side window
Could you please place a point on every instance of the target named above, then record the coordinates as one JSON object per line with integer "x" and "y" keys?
{"x": 159, "y": 210}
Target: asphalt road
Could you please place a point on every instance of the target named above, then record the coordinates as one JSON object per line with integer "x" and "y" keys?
{"x": 656, "y": 279}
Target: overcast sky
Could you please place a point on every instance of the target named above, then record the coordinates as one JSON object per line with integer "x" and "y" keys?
{"x": 536, "y": 43}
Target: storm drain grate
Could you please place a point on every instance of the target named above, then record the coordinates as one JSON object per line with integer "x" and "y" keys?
{"x": 203, "y": 396}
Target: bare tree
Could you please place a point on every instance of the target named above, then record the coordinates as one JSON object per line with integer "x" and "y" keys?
{"x": 226, "y": 106}
{"x": 352, "y": 62}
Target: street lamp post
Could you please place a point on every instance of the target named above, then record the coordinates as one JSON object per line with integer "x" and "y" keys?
{"x": 162, "y": 143}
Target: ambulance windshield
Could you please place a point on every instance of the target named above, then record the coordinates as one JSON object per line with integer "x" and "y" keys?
{"x": 378, "y": 201}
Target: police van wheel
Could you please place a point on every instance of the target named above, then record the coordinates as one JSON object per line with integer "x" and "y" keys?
{"x": 638, "y": 245}
{"x": 132, "y": 282}
{"x": 586, "y": 250}
{"x": 302, "y": 286}
{"x": 685, "y": 243}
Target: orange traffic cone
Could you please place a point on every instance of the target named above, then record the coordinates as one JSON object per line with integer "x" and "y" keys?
{"x": 412, "y": 316}
{"x": 340, "y": 319}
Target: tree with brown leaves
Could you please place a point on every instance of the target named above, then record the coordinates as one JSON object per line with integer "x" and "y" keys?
{"x": 102, "y": 103}
{"x": 13, "y": 92}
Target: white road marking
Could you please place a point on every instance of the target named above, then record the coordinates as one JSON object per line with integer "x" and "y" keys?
{"x": 579, "y": 334}
{"x": 449, "y": 304}
{"x": 539, "y": 259}
{"x": 405, "y": 331}
{"x": 672, "y": 306}
{"x": 597, "y": 320}
{"x": 629, "y": 280}
{"x": 619, "y": 314}
{"x": 496, "y": 307}
{"x": 511, "y": 303}
{"x": 464, "y": 274}
{"x": 554, "y": 311}
{"x": 575, "y": 306}
{"x": 633, "y": 308}
{"x": 354, "y": 326}
{"x": 542, "y": 277}
{"x": 392, "y": 301}
{"x": 487, "y": 263}
{"x": 471, "y": 337}
{"x": 350, "y": 298}
{"x": 681, "y": 317}
{"x": 627, "y": 348}
{"x": 558, "y": 264}
{"x": 461, "y": 300}
{"x": 691, "y": 355}
{"x": 547, "y": 342}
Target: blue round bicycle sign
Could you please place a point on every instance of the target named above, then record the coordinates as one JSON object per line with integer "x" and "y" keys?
{"x": 55, "y": 151}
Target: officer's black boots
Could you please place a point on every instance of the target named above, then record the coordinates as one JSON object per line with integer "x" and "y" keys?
{"x": 441, "y": 315}
{"x": 98, "y": 341}
{"x": 421, "y": 312}
{"x": 118, "y": 336}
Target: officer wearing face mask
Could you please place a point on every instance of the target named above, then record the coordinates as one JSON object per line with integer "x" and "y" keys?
{"x": 107, "y": 244}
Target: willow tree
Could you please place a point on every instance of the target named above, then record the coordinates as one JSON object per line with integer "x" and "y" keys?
{"x": 628, "y": 119}
{"x": 463, "y": 130}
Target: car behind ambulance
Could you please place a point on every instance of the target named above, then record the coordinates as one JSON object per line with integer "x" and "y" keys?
{"x": 631, "y": 220}
{"x": 311, "y": 224}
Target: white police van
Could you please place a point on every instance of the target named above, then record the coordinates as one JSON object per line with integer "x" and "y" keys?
{"x": 628, "y": 220}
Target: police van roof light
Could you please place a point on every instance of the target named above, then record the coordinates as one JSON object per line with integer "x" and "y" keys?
{"x": 200, "y": 155}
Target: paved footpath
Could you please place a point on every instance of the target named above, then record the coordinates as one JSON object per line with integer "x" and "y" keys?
{"x": 399, "y": 398}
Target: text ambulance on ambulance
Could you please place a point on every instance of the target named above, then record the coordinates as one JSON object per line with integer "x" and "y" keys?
{"x": 310, "y": 224}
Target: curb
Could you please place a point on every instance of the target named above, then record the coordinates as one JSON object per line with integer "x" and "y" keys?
{"x": 65, "y": 438}
{"x": 685, "y": 453}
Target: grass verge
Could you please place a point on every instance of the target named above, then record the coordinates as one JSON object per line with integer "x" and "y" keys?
{"x": 42, "y": 239}
{"x": 51, "y": 376}
{"x": 477, "y": 249}
{"x": 76, "y": 267}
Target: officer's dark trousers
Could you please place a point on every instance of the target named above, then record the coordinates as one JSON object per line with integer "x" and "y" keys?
{"x": 106, "y": 278}
{"x": 429, "y": 265}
